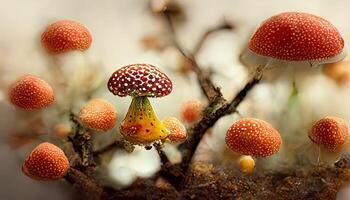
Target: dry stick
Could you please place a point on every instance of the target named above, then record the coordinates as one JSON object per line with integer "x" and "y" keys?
{"x": 223, "y": 26}
{"x": 217, "y": 107}
{"x": 82, "y": 143}
{"x": 84, "y": 183}
{"x": 163, "y": 157}
{"x": 209, "y": 89}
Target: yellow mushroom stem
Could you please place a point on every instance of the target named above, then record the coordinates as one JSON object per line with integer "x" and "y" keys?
{"x": 141, "y": 124}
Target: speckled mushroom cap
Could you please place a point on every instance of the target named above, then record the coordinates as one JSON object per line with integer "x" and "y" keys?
{"x": 46, "y": 162}
{"x": 139, "y": 80}
{"x": 330, "y": 132}
{"x": 178, "y": 132}
{"x": 31, "y": 92}
{"x": 253, "y": 137}
{"x": 98, "y": 114}
{"x": 296, "y": 36}
{"x": 66, "y": 35}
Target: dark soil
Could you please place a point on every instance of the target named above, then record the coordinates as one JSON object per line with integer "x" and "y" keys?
{"x": 213, "y": 182}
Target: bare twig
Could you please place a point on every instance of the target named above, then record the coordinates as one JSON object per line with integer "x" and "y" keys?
{"x": 209, "y": 89}
{"x": 84, "y": 183}
{"x": 82, "y": 143}
{"x": 163, "y": 157}
{"x": 244, "y": 91}
{"x": 223, "y": 26}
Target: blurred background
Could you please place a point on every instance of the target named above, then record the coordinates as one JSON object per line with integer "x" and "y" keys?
{"x": 123, "y": 33}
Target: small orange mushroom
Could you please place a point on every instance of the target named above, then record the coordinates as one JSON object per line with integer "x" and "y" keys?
{"x": 339, "y": 71}
{"x": 31, "y": 92}
{"x": 46, "y": 162}
{"x": 246, "y": 164}
{"x": 191, "y": 110}
{"x": 98, "y": 114}
{"x": 177, "y": 130}
{"x": 253, "y": 137}
{"x": 329, "y": 132}
{"x": 66, "y": 35}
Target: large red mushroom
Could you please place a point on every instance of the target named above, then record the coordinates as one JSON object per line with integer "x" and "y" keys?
{"x": 295, "y": 38}
{"x": 140, "y": 81}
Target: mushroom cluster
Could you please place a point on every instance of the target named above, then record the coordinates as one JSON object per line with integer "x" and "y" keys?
{"x": 140, "y": 81}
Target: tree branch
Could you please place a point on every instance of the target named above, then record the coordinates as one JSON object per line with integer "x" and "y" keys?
{"x": 218, "y": 106}
{"x": 224, "y": 26}
{"x": 82, "y": 143}
{"x": 209, "y": 89}
{"x": 86, "y": 185}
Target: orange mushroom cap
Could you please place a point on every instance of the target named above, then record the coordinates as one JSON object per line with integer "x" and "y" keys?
{"x": 296, "y": 36}
{"x": 330, "y": 132}
{"x": 98, "y": 114}
{"x": 66, "y": 35}
{"x": 46, "y": 162}
{"x": 191, "y": 110}
{"x": 253, "y": 137}
{"x": 31, "y": 92}
{"x": 177, "y": 130}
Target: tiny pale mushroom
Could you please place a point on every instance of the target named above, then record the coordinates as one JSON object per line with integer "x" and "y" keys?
{"x": 191, "y": 110}
{"x": 246, "y": 164}
{"x": 339, "y": 71}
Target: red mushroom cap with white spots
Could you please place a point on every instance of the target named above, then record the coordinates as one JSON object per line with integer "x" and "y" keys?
{"x": 66, "y": 35}
{"x": 31, "y": 92}
{"x": 140, "y": 80}
{"x": 253, "y": 137}
{"x": 330, "y": 132}
{"x": 46, "y": 162}
{"x": 295, "y": 36}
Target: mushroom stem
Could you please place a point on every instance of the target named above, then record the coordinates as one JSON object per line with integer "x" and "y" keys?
{"x": 141, "y": 124}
